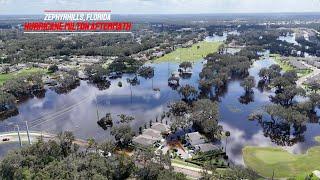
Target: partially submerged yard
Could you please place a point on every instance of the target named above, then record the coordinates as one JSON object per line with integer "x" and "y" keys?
{"x": 6, "y": 77}
{"x": 268, "y": 161}
{"x": 191, "y": 54}
{"x": 285, "y": 65}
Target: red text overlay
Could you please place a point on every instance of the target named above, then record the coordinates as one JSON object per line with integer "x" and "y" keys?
{"x": 81, "y": 21}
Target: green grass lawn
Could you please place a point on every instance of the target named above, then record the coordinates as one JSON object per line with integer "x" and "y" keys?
{"x": 283, "y": 64}
{"x": 304, "y": 72}
{"x": 5, "y": 77}
{"x": 265, "y": 160}
{"x": 181, "y": 162}
{"x": 190, "y": 54}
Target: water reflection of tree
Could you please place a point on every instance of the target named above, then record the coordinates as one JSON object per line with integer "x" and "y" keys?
{"x": 64, "y": 89}
{"x": 40, "y": 94}
{"x": 263, "y": 86}
{"x": 219, "y": 92}
{"x": 66, "y": 82}
{"x": 174, "y": 87}
{"x": 133, "y": 82}
{"x": 103, "y": 85}
{"x": 247, "y": 98}
{"x": 314, "y": 118}
{"x": 10, "y": 113}
{"x": 185, "y": 75}
{"x": 282, "y": 133}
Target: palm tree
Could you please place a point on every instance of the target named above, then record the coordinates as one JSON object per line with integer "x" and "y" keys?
{"x": 227, "y": 134}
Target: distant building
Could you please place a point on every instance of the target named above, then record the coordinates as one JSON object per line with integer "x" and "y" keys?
{"x": 185, "y": 29}
{"x": 158, "y": 54}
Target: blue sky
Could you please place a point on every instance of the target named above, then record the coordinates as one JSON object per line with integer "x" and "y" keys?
{"x": 161, "y": 6}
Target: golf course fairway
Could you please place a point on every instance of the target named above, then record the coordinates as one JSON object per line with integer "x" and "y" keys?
{"x": 267, "y": 161}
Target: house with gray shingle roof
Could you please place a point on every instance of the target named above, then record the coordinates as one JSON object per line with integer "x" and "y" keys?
{"x": 195, "y": 138}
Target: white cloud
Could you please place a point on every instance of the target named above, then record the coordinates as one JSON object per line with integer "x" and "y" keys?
{"x": 238, "y": 140}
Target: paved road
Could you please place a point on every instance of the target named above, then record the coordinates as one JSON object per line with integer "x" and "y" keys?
{"x": 34, "y": 136}
{"x": 13, "y": 136}
{"x": 303, "y": 79}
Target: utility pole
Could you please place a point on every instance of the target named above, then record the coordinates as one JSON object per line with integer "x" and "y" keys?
{"x": 29, "y": 141}
{"x": 130, "y": 94}
{"x": 152, "y": 83}
{"x": 20, "y": 142}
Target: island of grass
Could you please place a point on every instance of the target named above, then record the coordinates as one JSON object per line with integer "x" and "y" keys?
{"x": 8, "y": 76}
{"x": 269, "y": 161}
{"x": 194, "y": 53}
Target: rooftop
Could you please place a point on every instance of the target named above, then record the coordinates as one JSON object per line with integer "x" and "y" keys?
{"x": 195, "y": 138}
{"x": 142, "y": 140}
{"x": 160, "y": 127}
{"x": 297, "y": 64}
{"x": 152, "y": 134}
{"x": 206, "y": 147}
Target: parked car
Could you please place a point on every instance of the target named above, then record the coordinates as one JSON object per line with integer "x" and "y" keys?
{"x": 5, "y": 139}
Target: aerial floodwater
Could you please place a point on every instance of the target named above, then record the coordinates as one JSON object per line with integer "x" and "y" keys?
{"x": 79, "y": 110}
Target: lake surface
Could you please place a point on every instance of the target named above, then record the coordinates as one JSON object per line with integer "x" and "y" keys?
{"x": 217, "y": 38}
{"x": 289, "y": 38}
{"x": 77, "y": 110}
